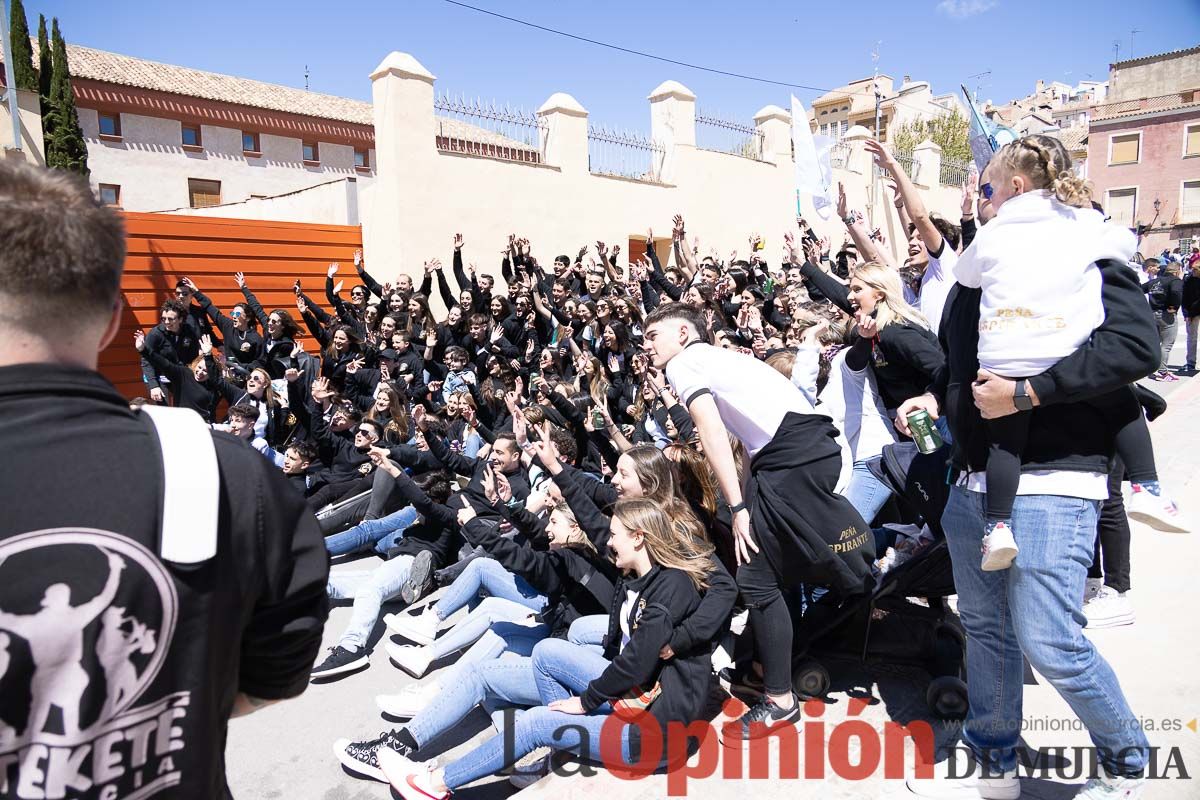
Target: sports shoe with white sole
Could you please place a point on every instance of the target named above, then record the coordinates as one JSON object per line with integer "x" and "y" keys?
{"x": 419, "y": 629}
{"x": 1148, "y": 504}
{"x": 412, "y": 780}
{"x": 1109, "y": 609}
{"x": 1091, "y": 591}
{"x": 361, "y": 758}
{"x": 1106, "y": 787}
{"x": 412, "y": 659}
{"x": 999, "y": 547}
{"x": 420, "y": 578}
{"x": 341, "y": 660}
{"x": 947, "y": 785}
{"x": 409, "y": 702}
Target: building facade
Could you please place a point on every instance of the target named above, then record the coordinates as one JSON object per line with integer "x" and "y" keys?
{"x": 835, "y": 112}
{"x": 1144, "y": 149}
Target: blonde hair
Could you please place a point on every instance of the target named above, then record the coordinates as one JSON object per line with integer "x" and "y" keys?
{"x": 583, "y": 542}
{"x": 1047, "y": 165}
{"x": 672, "y": 541}
{"x": 892, "y": 306}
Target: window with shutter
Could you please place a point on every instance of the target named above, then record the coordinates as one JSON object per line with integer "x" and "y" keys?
{"x": 1121, "y": 205}
{"x": 202, "y": 194}
{"x": 1191, "y": 144}
{"x": 1125, "y": 148}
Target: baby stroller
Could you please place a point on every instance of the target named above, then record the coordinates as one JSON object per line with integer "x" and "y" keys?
{"x": 883, "y": 626}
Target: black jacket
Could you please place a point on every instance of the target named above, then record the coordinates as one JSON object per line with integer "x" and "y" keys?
{"x": 474, "y": 467}
{"x": 904, "y": 356}
{"x": 1165, "y": 292}
{"x": 176, "y": 348}
{"x": 665, "y": 598}
{"x": 81, "y": 485}
{"x": 1066, "y": 432}
{"x": 437, "y": 531}
{"x": 244, "y": 347}
{"x": 1191, "y": 296}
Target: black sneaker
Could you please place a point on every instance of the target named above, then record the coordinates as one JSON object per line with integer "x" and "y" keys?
{"x": 340, "y": 660}
{"x": 360, "y": 757}
{"x": 420, "y": 575}
{"x": 763, "y": 715}
{"x": 743, "y": 679}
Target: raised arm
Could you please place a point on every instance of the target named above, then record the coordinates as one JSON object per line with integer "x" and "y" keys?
{"x": 911, "y": 198}
{"x": 252, "y": 301}
{"x": 360, "y": 266}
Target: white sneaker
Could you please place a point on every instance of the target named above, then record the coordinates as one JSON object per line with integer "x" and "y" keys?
{"x": 945, "y": 785}
{"x": 412, "y": 780}
{"x": 420, "y": 629}
{"x": 1109, "y": 788}
{"x": 1109, "y": 609}
{"x": 1092, "y": 590}
{"x": 999, "y": 548}
{"x": 1156, "y": 510}
{"x": 409, "y": 702}
{"x": 410, "y": 658}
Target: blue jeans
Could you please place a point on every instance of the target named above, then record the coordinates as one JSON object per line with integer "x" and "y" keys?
{"x": 495, "y": 615}
{"x": 370, "y": 590}
{"x": 383, "y": 533}
{"x": 560, "y": 670}
{"x": 589, "y": 632}
{"x": 501, "y": 683}
{"x": 865, "y": 492}
{"x": 488, "y": 575}
{"x": 1033, "y": 608}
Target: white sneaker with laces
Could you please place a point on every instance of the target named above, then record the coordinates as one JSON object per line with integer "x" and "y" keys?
{"x": 999, "y": 548}
{"x": 410, "y": 658}
{"x": 408, "y": 702}
{"x": 1092, "y": 590}
{"x": 946, "y": 783}
{"x": 1107, "y": 787}
{"x": 1109, "y": 609}
{"x": 412, "y": 780}
{"x": 420, "y": 629}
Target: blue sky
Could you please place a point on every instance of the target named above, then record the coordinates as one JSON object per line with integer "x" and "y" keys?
{"x": 816, "y": 44}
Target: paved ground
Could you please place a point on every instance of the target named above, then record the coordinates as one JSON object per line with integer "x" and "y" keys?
{"x": 285, "y": 751}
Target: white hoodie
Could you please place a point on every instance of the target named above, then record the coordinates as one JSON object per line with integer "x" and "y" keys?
{"x": 1036, "y": 264}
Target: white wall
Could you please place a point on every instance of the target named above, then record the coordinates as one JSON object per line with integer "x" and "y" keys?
{"x": 332, "y": 203}
{"x": 422, "y": 196}
{"x": 29, "y": 109}
{"x": 152, "y": 168}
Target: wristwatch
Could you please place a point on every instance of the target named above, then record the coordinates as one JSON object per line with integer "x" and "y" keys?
{"x": 1021, "y": 398}
{"x": 849, "y": 219}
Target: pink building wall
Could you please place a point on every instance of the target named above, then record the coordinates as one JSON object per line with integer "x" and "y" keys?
{"x": 1159, "y": 172}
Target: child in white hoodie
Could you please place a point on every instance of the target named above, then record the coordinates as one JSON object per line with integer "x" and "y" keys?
{"x": 1035, "y": 262}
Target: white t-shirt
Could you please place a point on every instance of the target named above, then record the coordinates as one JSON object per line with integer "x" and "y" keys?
{"x": 753, "y": 398}
{"x": 1036, "y": 265}
{"x": 935, "y": 285}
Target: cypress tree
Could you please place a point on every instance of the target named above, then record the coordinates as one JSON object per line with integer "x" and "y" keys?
{"x": 45, "y": 71}
{"x": 22, "y": 51}
{"x": 67, "y": 149}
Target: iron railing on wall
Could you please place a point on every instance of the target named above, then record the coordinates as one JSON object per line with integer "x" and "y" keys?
{"x": 714, "y": 132}
{"x": 488, "y": 129}
{"x": 839, "y": 155}
{"x": 955, "y": 173}
{"x": 624, "y": 154}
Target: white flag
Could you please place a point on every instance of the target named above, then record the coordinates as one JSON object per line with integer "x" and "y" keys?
{"x": 814, "y": 175}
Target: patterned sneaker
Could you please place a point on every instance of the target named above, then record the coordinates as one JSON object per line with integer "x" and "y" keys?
{"x": 362, "y": 758}
{"x": 998, "y": 546}
{"x": 1148, "y": 504}
{"x": 1109, "y": 788}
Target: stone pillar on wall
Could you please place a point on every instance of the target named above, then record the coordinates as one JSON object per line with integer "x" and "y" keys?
{"x": 565, "y": 135}
{"x": 405, "y": 147}
{"x": 672, "y": 123}
{"x": 775, "y": 125}
{"x": 927, "y": 160}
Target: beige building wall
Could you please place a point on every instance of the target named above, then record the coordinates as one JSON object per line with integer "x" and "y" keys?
{"x": 30, "y": 111}
{"x": 332, "y": 203}
{"x": 1153, "y": 76}
{"x": 422, "y": 196}
{"x": 152, "y": 168}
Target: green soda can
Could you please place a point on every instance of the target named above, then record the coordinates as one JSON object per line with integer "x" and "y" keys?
{"x": 920, "y": 424}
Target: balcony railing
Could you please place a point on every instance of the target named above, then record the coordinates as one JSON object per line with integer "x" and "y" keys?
{"x": 1145, "y": 105}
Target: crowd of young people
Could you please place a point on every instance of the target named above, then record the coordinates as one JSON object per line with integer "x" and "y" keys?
{"x": 603, "y": 464}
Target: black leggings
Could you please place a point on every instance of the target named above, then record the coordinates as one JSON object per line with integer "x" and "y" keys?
{"x": 1110, "y": 559}
{"x": 1008, "y": 435}
{"x": 770, "y": 621}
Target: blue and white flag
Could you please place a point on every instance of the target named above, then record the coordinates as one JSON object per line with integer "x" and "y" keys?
{"x": 814, "y": 175}
{"x": 986, "y": 137}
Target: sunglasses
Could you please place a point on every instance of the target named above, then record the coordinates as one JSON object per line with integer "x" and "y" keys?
{"x": 986, "y": 190}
